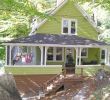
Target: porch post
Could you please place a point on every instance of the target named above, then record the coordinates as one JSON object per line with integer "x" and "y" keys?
{"x": 10, "y": 55}
{"x": 45, "y": 60}
{"x": 6, "y": 55}
{"x": 41, "y": 48}
{"x": 80, "y": 49}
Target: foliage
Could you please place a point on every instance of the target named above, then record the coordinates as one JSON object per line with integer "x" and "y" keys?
{"x": 102, "y": 93}
{"x": 16, "y": 17}
{"x": 18, "y": 13}
{"x": 21, "y": 30}
{"x": 2, "y": 52}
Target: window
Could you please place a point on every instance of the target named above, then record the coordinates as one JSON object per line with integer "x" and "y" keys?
{"x": 69, "y": 26}
{"x": 65, "y": 26}
{"x": 102, "y": 54}
{"x": 84, "y": 52}
{"x": 50, "y": 54}
{"x": 55, "y": 54}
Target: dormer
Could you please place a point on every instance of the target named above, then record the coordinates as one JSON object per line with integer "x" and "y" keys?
{"x": 69, "y": 26}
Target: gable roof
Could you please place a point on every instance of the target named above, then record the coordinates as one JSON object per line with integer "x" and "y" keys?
{"x": 53, "y": 11}
{"x": 56, "y": 40}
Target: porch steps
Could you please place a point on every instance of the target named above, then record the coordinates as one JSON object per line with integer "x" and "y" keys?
{"x": 59, "y": 82}
{"x": 53, "y": 85}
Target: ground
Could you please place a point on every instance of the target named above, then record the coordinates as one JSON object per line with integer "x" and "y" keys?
{"x": 31, "y": 84}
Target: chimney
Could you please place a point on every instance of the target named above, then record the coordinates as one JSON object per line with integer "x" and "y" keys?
{"x": 59, "y": 2}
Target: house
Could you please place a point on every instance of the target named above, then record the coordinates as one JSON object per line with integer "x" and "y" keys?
{"x": 71, "y": 31}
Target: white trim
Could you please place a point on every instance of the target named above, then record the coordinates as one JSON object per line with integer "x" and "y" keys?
{"x": 55, "y": 45}
{"x": 21, "y": 66}
{"x": 50, "y": 66}
{"x": 46, "y": 48}
{"x": 108, "y": 53}
{"x": 69, "y": 26}
{"x": 41, "y": 48}
{"x": 80, "y": 50}
{"x": 87, "y": 66}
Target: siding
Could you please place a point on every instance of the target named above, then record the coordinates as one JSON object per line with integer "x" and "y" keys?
{"x": 84, "y": 28}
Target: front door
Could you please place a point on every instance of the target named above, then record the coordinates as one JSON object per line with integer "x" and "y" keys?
{"x": 70, "y": 51}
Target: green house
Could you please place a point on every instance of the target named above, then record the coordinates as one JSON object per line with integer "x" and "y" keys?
{"x": 69, "y": 32}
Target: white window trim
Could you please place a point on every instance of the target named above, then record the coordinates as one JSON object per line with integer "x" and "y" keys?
{"x": 69, "y": 28}
{"x": 54, "y": 55}
{"x": 86, "y": 55}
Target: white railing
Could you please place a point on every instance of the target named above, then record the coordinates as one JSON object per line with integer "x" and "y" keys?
{"x": 33, "y": 66}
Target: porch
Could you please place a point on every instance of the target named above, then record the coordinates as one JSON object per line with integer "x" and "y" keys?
{"x": 43, "y": 50}
{"x": 43, "y": 56}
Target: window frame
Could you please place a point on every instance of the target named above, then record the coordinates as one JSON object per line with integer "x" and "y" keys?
{"x": 55, "y": 54}
{"x": 69, "y": 26}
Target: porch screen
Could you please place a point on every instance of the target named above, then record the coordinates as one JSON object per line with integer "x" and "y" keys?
{"x": 22, "y": 55}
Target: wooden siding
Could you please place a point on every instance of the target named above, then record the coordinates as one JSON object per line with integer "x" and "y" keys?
{"x": 84, "y": 28}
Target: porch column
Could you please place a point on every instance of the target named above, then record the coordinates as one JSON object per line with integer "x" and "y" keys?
{"x": 6, "y": 55}
{"x": 80, "y": 49}
{"x": 10, "y": 55}
{"x": 41, "y": 48}
{"x": 45, "y": 60}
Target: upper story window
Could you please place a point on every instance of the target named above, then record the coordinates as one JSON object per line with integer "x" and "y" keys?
{"x": 69, "y": 26}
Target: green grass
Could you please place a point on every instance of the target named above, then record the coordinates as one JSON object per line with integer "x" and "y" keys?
{"x": 88, "y": 71}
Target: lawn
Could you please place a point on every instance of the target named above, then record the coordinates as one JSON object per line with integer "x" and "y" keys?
{"x": 88, "y": 71}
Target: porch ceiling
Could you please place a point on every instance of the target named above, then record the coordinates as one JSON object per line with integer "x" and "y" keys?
{"x": 53, "y": 39}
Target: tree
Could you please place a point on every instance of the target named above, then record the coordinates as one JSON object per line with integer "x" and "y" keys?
{"x": 16, "y": 17}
